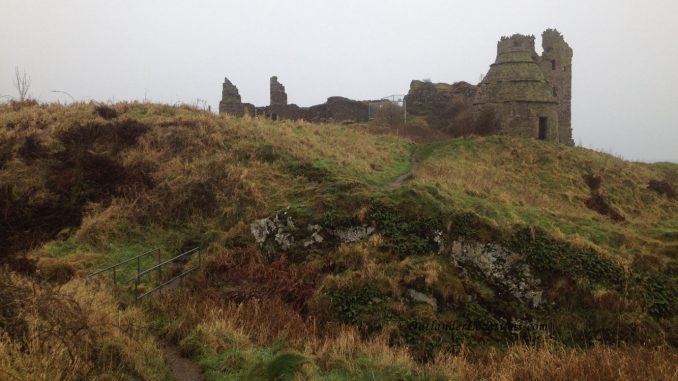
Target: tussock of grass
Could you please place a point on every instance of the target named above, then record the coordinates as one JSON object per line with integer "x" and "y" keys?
{"x": 73, "y": 331}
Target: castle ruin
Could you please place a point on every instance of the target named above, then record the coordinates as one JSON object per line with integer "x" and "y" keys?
{"x": 523, "y": 95}
{"x": 529, "y": 95}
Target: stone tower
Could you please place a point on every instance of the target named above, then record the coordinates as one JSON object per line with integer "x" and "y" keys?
{"x": 516, "y": 93}
{"x": 556, "y": 63}
{"x": 278, "y": 95}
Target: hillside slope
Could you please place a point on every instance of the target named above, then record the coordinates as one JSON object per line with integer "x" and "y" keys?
{"x": 316, "y": 265}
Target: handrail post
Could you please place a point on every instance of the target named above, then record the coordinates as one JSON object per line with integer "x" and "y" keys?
{"x": 160, "y": 284}
{"x": 159, "y": 268}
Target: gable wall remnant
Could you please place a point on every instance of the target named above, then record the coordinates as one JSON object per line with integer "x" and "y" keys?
{"x": 336, "y": 109}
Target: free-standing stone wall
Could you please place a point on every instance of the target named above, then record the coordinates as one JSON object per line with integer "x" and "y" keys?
{"x": 278, "y": 94}
{"x": 336, "y": 109}
{"x": 231, "y": 103}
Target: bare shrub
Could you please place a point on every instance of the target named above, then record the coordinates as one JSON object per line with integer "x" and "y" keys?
{"x": 22, "y": 83}
{"x": 487, "y": 123}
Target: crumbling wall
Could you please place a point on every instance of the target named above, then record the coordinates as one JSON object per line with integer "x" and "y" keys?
{"x": 278, "y": 94}
{"x": 336, "y": 109}
{"x": 445, "y": 107}
{"x": 231, "y": 103}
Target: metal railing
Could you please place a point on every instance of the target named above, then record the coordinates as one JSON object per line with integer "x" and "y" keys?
{"x": 160, "y": 284}
{"x": 114, "y": 267}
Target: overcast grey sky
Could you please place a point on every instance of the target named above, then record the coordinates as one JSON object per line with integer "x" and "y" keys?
{"x": 625, "y": 76}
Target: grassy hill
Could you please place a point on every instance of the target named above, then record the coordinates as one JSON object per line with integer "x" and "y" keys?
{"x": 491, "y": 258}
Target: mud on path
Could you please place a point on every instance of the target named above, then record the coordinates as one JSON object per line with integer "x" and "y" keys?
{"x": 182, "y": 368}
{"x": 397, "y": 183}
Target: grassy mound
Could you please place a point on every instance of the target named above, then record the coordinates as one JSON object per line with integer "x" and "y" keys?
{"x": 316, "y": 264}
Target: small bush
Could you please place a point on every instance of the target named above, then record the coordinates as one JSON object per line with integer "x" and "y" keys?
{"x": 105, "y": 112}
{"x": 662, "y": 187}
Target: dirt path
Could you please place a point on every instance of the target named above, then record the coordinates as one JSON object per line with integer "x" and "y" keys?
{"x": 397, "y": 183}
{"x": 182, "y": 368}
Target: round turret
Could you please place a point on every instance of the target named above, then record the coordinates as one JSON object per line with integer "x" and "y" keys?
{"x": 516, "y": 92}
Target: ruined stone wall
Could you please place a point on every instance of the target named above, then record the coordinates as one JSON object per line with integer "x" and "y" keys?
{"x": 556, "y": 63}
{"x": 336, "y": 109}
{"x": 445, "y": 107}
{"x": 278, "y": 94}
{"x": 231, "y": 103}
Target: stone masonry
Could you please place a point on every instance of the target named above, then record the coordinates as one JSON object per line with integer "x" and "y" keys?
{"x": 336, "y": 109}
{"x": 556, "y": 63}
{"x": 523, "y": 95}
{"x": 529, "y": 95}
{"x": 278, "y": 94}
{"x": 231, "y": 102}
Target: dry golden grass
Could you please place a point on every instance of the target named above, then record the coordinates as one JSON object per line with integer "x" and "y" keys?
{"x": 549, "y": 362}
{"x": 247, "y": 326}
{"x": 191, "y": 176}
{"x": 73, "y": 332}
{"x": 529, "y": 182}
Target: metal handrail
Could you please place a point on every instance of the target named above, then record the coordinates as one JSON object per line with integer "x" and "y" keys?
{"x": 115, "y": 266}
{"x": 123, "y": 262}
{"x": 159, "y": 265}
{"x": 168, "y": 282}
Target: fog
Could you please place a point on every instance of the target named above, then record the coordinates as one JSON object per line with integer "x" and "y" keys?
{"x": 624, "y": 66}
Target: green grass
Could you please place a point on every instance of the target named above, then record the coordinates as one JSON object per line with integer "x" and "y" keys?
{"x": 187, "y": 178}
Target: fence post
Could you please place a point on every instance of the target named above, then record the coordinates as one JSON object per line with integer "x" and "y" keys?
{"x": 115, "y": 280}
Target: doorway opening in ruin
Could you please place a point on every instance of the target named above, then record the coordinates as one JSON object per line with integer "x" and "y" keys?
{"x": 553, "y": 64}
{"x": 542, "y": 128}
{"x": 274, "y": 116}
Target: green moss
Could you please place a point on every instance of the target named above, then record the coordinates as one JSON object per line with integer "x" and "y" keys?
{"x": 552, "y": 257}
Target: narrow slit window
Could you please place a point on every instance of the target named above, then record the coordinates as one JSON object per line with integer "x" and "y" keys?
{"x": 553, "y": 64}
